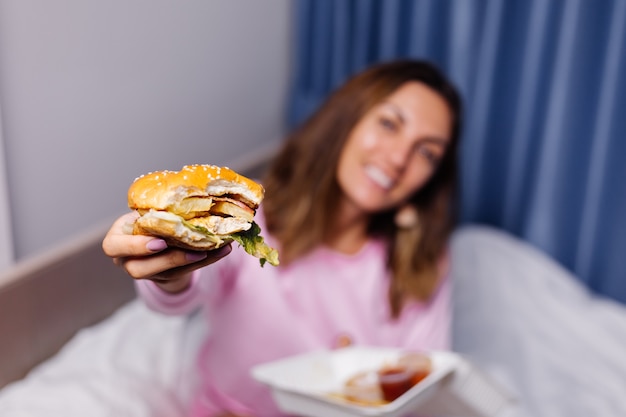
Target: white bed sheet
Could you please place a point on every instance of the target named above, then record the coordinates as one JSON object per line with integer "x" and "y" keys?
{"x": 529, "y": 323}
{"x": 520, "y": 316}
{"x": 137, "y": 363}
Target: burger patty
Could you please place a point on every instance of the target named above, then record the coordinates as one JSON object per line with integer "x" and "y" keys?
{"x": 221, "y": 225}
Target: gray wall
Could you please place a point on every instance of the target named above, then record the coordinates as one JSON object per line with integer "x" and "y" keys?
{"x": 94, "y": 93}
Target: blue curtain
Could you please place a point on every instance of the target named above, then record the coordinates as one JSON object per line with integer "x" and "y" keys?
{"x": 544, "y": 142}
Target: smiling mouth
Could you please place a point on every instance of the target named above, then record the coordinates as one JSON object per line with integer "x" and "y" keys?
{"x": 379, "y": 177}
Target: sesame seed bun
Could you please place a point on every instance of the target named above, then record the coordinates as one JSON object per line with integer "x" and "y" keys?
{"x": 161, "y": 190}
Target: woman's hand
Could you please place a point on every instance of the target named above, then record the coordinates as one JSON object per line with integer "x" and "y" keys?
{"x": 148, "y": 257}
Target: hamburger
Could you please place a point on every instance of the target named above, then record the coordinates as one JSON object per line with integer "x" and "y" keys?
{"x": 200, "y": 207}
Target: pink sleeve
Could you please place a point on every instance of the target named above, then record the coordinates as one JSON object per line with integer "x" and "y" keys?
{"x": 441, "y": 308}
{"x": 442, "y": 316}
{"x": 430, "y": 326}
{"x": 171, "y": 304}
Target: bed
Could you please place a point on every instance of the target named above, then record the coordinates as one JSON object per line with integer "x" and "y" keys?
{"x": 518, "y": 315}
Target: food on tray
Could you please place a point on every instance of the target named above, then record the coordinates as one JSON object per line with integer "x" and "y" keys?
{"x": 200, "y": 207}
{"x": 381, "y": 386}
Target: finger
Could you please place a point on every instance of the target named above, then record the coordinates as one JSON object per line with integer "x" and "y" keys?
{"x": 140, "y": 267}
{"x": 212, "y": 257}
{"x": 122, "y": 246}
{"x": 171, "y": 263}
{"x": 117, "y": 243}
{"x": 122, "y": 222}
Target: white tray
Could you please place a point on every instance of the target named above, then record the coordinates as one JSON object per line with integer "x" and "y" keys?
{"x": 303, "y": 385}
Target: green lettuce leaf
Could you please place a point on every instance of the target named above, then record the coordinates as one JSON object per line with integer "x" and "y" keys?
{"x": 253, "y": 243}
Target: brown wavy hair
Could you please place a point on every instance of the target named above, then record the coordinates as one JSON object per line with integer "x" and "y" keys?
{"x": 301, "y": 185}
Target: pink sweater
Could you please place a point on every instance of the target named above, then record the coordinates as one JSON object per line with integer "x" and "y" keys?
{"x": 259, "y": 314}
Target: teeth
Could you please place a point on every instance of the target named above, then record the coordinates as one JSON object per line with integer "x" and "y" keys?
{"x": 379, "y": 177}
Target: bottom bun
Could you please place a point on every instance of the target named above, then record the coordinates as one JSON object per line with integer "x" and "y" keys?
{"x": 171, "y": 228}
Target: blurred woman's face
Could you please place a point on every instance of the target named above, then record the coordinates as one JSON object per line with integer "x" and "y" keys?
{"x": 395, "y": 148}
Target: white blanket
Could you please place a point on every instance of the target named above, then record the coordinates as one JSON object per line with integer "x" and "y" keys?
{"x": 134, "y": 364}
{"x": 533, "y": 326}
{"x": 518, "y": 315}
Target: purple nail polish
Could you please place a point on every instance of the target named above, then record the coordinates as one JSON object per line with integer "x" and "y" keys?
{"x": 224, "y": 250}
{"x": 156, "y": 245}
{"x": 195, "y": 256}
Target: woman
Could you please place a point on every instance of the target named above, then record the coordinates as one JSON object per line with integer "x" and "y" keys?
{"x": 360, "y": 204}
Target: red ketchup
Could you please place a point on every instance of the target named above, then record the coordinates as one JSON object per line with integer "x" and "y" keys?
{"x": 395, "y": 381}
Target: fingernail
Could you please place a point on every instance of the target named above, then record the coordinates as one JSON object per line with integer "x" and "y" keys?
{"x": 224, "y": 250}
{"x": 156, "y": 245}
{"x": 195, "y": 256}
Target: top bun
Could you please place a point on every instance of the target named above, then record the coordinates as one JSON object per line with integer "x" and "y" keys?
{"x": 162, "y": 189}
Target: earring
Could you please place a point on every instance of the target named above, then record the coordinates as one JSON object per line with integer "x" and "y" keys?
{"x": 406, "y": 217}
